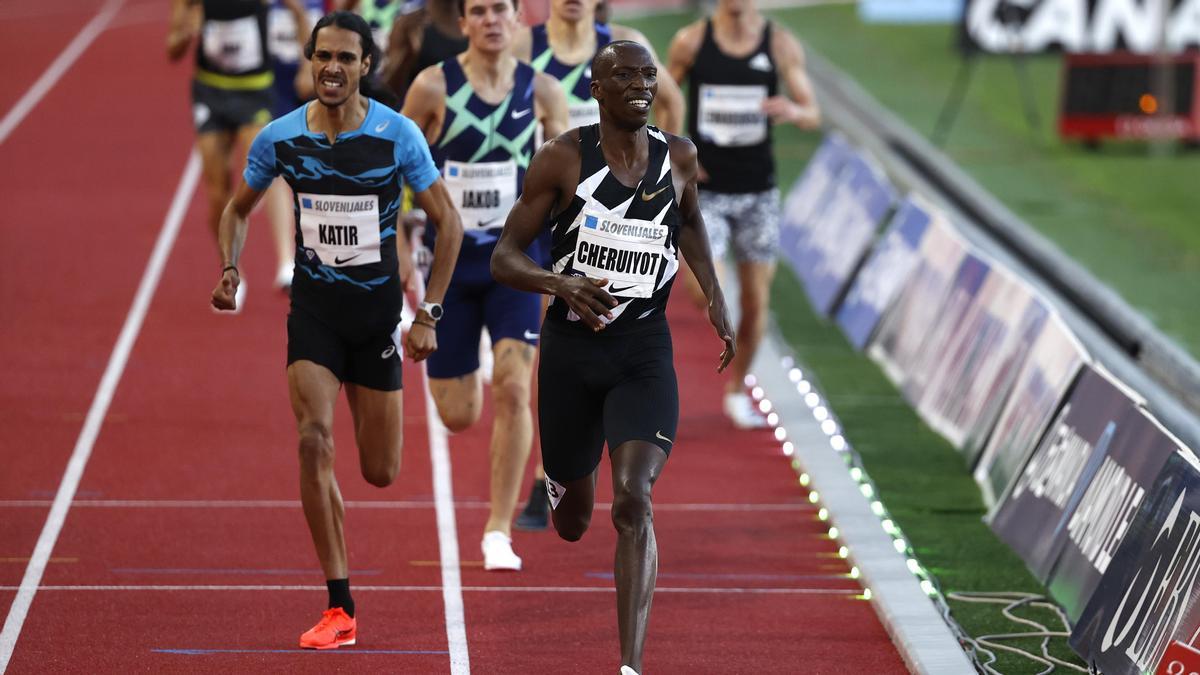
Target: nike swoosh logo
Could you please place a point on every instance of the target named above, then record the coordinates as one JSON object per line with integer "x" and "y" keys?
{"x": 530, "y": 335}
{"x": 381, "y": 126}
{"x": 614, "y": 289}
{"x": 659, "y": 435}
{"x": 339, "y": 261}
{"x": 516, "y": 115}
{"x": 489, "y": 223}
{"x": 651, "y": 195}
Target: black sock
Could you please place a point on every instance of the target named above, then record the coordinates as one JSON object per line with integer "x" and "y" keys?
{"x": 339, "y": 595}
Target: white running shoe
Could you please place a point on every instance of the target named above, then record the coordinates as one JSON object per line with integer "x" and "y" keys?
{"x": 740, "y": 410}
{"x": 626, "y": 670}
{"x": 498, "y": 553}
{"x": 283, "y": 278}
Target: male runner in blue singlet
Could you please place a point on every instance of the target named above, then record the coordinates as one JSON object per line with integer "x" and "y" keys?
{"x": 622, "y": 197}
{"x": 479, "y": 112}
{"x": 345, "y": 157}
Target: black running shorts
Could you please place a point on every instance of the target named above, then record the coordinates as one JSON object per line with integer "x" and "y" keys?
{"x": 216, "y": 109}
{"x": 595, "y": 388}
{"x": 369, "y": 356}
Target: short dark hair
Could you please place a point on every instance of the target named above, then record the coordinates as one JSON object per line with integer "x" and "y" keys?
{"x": 351, "y": 22}
{"x": 462, "y": 6}
{"x": 609, "y": 52}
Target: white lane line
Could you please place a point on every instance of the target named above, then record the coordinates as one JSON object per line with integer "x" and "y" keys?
{"x": 60, "y": 65}
{"x": 99, "y": 408}
{"x": 698, "y": 590}
{"x": 353, "y": 504}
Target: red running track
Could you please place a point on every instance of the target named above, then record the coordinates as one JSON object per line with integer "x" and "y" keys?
{"x": 185, "y": 548}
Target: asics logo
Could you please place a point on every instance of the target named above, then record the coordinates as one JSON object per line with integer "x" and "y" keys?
{"x": 516, "y": 115}
{"x": 381, "y": 126}
{"x": 659, "y": 435}
{"x": 647, "y": 196}
{"x": 530, "y": 335}
{"x": 387, "y": 353}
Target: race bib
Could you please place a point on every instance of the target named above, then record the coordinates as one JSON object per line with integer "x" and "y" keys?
{"x": 342, "y": 230}
{"x": 483, "y": 192}
{"x": 583, "y": 114}
{"x": 627, "y": 252}
{"x": 731, "y": 115}
{"x": 233, "y": 46}
{"x": 281, "y": 33}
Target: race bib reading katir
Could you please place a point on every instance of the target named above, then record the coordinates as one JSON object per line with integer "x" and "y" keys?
{"x": 343, "y": 230}
{"x": 483, "y": 192}
{"x": 233, "y": 46}
{"x": 731, "y": 115}
{"x": 626, "y": 251}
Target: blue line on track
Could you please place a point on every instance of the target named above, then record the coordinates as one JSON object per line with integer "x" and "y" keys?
{"x": 231, "y": 571}
{"x": 204, "y": 652}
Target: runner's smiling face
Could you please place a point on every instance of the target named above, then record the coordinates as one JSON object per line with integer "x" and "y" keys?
{"x": 625, "y": 82}
{"x": 488, "y": 24}
{"x": 338, "y": 65}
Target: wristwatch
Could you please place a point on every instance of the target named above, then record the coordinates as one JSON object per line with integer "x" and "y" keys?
{"x": 433, "y": 309}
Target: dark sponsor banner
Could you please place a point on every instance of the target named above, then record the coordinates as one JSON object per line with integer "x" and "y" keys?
{"x": 980, "y": 360}
{"x": 1098, "y": 26}
{"x": 1148, "y": 596}
{"x": 1042, "y": 384}
{"x": 905, "y": 328}
{"x": 884, "y": 273}
{"x": 1097, "y": 525}
{"x": 841, "y": 232}
{"x": 1030, "y": 517}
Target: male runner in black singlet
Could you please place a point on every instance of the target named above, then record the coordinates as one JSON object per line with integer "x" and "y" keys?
{"x": 606, "y": 373}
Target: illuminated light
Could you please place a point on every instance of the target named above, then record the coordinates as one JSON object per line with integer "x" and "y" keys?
{"x": 914, "y": 566}
{"x": 805, "y": 479}
{"x": 833, "y": 533}
{"x": 866, "y": 490}
{"x": 757, "y": 393}
{"x": 750, "y": 380}
{"x": 788, "y": 449}
{"x": 811, "y": 399}
{"x": 837, "y": 442}
{"x": 764, "y": 406}
{"x": 1148, "y": 104}
{"x": 787, "y": 362}
{"x": 843, "y": 553}
{"x": 866, "y": 594}
{"x": 927, "y": 586}
{"x": 821, "y": 413}
{"x": 795, "y": 375}
{"x": 888, "y": 526}
{"x": 814, "y": 497}
{"x": 856, "y": 473}
{"x": 803, "y": 387}
{"x": 877, "y": 508}
{"x": 780, "y": 434}
{"x": 900, "y": 545}
{"x": 829, "y": 427}
{"x": 823, "y": 515}
{"x": 773, "y": 419}
{"x": 854, "y": 573}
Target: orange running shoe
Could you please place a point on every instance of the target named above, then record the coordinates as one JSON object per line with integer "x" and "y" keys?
{"x": 335, "y": 629}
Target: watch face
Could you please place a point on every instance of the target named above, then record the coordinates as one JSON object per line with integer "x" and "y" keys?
{"x": 434, "y": 311}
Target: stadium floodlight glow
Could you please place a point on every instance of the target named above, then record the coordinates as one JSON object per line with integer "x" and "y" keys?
{"x": 823, "y": 514}
{"x": 780, "y": 434}
{"x": 833, "y": 533}
{"x": 867, "y": 490}
{"x": 837, "y": 442}
{"x": 750, "y": 380}
{"x": 866, "y": 594}
{"x": 788, "y": 448}
{"x": 787, "y": 362}
{"x": 843, "y": 553}
{"x": 811, "y": 399}
{"x": 888, "y": 526}
{"x": 877, "y": 508}
{"x": 913, "y": 566}
{"x": 795, "y": 375}
{"x": 757, "y": 392}
{"x": 814, "y": 497}
{"x": 857, "y": 474}
{"x": 803, "y": 387}
{"x": 773, "y": 419}
{"x": 805, "y": 479}
{"x": 900, "y": 545}
{"x": 829, "y": 427}
{"x": 764, "y": 405}
{"x": 821, "y": 413}
{"x": 927, "y": 586}
{"x": 854, "y": 573}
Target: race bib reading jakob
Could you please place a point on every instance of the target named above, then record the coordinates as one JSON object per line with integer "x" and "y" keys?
{"x": 627, "y": 252}
{"x": 731, "y": 115}
{"x": 343, "y": 230}
{"x": 483, "y": 192}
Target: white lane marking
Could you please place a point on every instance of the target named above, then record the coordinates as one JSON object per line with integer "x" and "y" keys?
{"x": 353, "y": 504}
{"x": 443, "y": 497}
{"x": 59, "y": 66}
{"x": 470, "y": 589}
{"x": 99, "y": 408}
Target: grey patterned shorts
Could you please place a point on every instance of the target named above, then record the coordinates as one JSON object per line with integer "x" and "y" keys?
{"x": 750, "y": 219}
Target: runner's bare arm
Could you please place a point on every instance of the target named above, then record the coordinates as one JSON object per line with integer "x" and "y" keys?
{"x": 800, "y": 106}
{"x": 404, "y": 42}
{"x": 549, "y": 187}
{"x": 441, "y": 214}
{"x": 186, "y": 17}
{"x": 302, "y": 83}
{"x": 668, "y": 103}
{"x": 231, "y": 238}
{"x": 693, "y": 244}
{"x": 682, "y": 52}
{"x": 551, "y": 103}
{"x": 425, "y": 103}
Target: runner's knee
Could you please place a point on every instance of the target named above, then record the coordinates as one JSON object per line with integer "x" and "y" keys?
{"x": 381, "y": 472}
{"x": 510, "y": 395}
{"x": 632, "y": 509}
{"x": 316, "y": 446}
{"x": 571, "y": 527}
{"x": 459, "y": 415}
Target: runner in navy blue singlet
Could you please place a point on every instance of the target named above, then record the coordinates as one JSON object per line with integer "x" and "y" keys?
{"x": 346, "y": 157}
